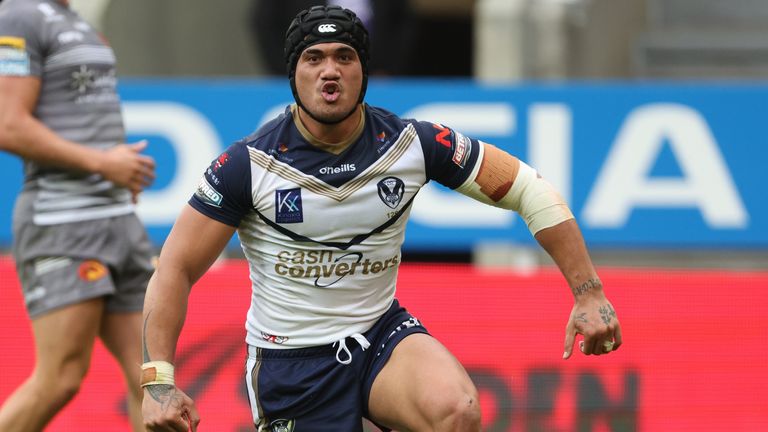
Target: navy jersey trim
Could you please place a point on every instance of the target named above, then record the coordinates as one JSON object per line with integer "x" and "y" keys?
{"x": 449, "y": 155}
{"x": 319, "y": 187}
{"x": 338, "y": 245}
{"x": 224, "y": 191}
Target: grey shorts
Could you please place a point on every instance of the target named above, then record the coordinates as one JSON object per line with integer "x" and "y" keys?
{"x": 60, "y": 265}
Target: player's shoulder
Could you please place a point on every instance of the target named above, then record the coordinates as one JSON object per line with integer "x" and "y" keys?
{"x": 431, "y": 132}
{"x": 23, "y": 13}
{"x": 382, "y": 119}
{"x": 422, "y": 127}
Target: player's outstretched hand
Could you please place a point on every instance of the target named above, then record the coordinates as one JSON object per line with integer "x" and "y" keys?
{"x": 593, "y": 317}
{"x": 168, "y": 409}
{"x": 125, "y": 166}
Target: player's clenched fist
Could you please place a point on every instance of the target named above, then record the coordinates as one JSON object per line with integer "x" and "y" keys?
{"x": 167, "y": 408}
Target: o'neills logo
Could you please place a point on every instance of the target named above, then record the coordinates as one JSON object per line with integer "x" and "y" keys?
{"x": 336, "y": 170}
{"x": 327, "y": 267}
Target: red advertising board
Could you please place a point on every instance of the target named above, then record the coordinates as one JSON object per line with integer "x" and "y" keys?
{"x": 694, "y": 358}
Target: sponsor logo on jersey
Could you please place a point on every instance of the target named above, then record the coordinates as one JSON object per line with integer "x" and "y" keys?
{"x": 281, "y": 153}
{"x": 327, "y": 268}
{"x": 212, "y": 176}
{"x": 288, "y": 206}
{"x": 14, "y": 59}
{"x": 279, "y": 340}
{"x": 220, "y": 161}
{"x": 386, "y": 141}
{"x": 49, "y": 12}
{"x": 443, "y": 136}
{"x": 391, "y": 191}
{"x": 327, "y": 28}
{"x": 70, "y": 36}
{"x": 282, "y": 425}
{"x": 462, "y": 150}
{"x": 339, "y": 169}
{"x": 91, "y": 270}
{"x": 94, "y": 85}
{"x": 83, "y": 79}
{"x": 82, "y": 26}
{"x": 208, "y": 194}
{"x": 35, "y": 294}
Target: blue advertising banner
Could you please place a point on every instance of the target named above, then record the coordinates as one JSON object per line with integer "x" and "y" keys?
{"x": 642, "y": 165}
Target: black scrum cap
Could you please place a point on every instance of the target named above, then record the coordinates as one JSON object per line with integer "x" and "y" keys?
{"x": 321, "y": 24}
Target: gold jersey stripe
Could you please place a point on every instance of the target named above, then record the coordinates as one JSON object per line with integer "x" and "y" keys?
{"x": 320, "y": 187}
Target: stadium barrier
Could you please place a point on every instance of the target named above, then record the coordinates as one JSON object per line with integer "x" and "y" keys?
{"x": 694, "y": 356}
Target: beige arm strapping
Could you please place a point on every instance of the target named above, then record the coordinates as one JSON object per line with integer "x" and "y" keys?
{"x": 501, "y": 180}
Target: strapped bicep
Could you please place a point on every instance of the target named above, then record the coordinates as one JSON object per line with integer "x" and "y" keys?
{"x": 502, "y": 180}
{"x": 493, "y": 175}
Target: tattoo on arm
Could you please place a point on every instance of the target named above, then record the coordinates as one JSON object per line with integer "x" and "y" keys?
{"x": 163, "y": 394}
{"x": 607, "y": 313}
{"x": 144, "y": 348}
{"x": 582, "y": 317}
{"x": 587, "y": 286}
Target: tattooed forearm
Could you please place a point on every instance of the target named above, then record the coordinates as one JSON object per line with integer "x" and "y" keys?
{"x": 144, "y": 348}
{"x": 587, "y": 286}
{"x": 162, "y": 393}
{"x": 607, "y": 313}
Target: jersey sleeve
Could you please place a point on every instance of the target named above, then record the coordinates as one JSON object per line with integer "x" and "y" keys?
{"x": 224, "y": 191}
{"x": 21, "y": 42}
{"x": 449, "y": 155}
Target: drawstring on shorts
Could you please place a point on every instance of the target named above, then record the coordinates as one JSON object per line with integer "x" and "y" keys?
{"x": 364, "y": 344}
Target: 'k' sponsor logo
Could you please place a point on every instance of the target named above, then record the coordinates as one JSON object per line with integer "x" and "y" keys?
{"x": 288, "y": 206}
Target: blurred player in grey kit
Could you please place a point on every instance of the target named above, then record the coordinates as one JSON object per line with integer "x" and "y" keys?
{"x": 81, "y": 253}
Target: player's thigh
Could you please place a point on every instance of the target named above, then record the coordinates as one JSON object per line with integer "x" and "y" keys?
{"x": 64, "y": 338}
{"x": 420, "y": 381}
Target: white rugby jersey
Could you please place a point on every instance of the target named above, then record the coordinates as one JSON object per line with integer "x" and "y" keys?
{"x": 322, "y": 232}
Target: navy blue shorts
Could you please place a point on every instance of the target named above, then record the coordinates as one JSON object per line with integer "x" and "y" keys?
{"x": 308, "y": 389}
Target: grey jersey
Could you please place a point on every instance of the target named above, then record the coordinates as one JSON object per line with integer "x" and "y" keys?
{"x": 78, "y": 101}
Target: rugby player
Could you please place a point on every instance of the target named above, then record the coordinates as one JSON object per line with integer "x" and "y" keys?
{"x": 81, "y": 253}
{"x": 319, "y": 197}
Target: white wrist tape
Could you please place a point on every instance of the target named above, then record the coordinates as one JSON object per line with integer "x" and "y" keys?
{"x": 157, "y": 372}
{"x": 534, "y": 198}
